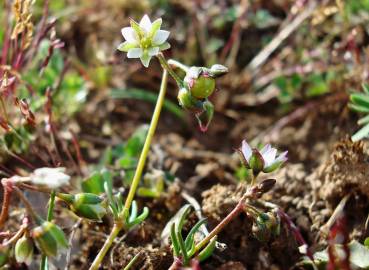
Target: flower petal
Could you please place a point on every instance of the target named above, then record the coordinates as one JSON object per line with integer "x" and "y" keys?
{"x": 145, "y": 60}
{"x": 246, "y": 150}
{"x": 265, "y": 149}
{"x": 145, "y": 23}
{"x": 153, "y": 51}
{"x": 129, "y": 34}
{"x": 155, "y": 26}
{"x": 135, "y": 53}
{"x": 126, "y": 46}
{"x": 269, "y": 156}
{"x": 160, "y": 37}
{"x": 282, "y": 157}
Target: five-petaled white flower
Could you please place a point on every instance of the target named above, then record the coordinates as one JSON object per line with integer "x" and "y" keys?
{"x": 53, "y": 178}
{"x": 267, "y": 155}
{"x": 144, "y": 40}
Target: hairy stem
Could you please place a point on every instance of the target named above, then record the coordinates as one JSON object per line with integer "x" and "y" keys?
{"x": 138, "y": 173}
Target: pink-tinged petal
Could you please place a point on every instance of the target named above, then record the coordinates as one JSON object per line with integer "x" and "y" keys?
{"x": 145, "y": 23}
{"x": 265, "y": 149}
{"x": 282, "y": 157}
{"x": 160, "y": 37}
{"x": 269, "y": 156}
{"x": 153, "y": 51}
{"x": 246, "y": 150}
{"x": 135, "y": 53}
{"x": 129, "y": 34}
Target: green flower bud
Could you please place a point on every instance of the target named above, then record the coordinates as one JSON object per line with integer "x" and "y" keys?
{"x": 4, "y": 255}
{"x": 218, "y": 70}
{"x": 256, "y": 162}
{"x": 49, "y": 238}
{"x": 199, "y": 81}
{"x": 85, "y": 205}
{"x": 24, "y": 250}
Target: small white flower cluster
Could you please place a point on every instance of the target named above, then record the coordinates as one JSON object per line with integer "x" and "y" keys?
{"x": 52, "y": 178}
{"x": 144, "y": 40}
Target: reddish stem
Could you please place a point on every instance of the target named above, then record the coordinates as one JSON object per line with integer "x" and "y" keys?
{"x": 8, "y": 188}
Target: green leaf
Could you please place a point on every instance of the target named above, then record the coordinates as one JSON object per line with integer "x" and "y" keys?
{"x": 174, "y": 239}
{"x": 360, "y": 99}
{"x": 365, "y": 88}
{"x": 191, "y": 235}
{"x": 366, "y": 242}
{"x": 93, "y": 184}
{"x": 364, "y": 120}
{"x": 358, "y": 108}
{"x": 361, "y": 134}
{"x": 135, "y": 144}
{"x": 208, "y": 250}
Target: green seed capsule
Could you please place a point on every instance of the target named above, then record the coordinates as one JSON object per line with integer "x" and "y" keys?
{"x": 49, "y": 238}
{"x": 90, "y": 211}
{"x": 24, "y": 250}
{"x": 199, "y": 81}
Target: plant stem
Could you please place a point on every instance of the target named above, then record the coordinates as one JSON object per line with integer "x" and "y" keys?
{"x": 50, "y": 211}
{"x": 7, "y": 187}
{"x": 167, "y": 67}
{"x": 146, "y": 147}
{"x": 138, "y": 173}
{"x": 177, "y": 64}
{"x": 133, "y": 261}
{"x": 232, "y": 215}
{"x": 109, "y": 241}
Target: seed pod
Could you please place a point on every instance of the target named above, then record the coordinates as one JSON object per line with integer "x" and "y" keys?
{"x": 49, "y": 238}
{"x": 89, "y": 211}
{"x": 85, "y": 205}
{"x": 199, "y": 82}
{"x": 24, "y": 250}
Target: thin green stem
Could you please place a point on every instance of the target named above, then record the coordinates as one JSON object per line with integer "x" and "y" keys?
{"x": 167, "y": 67}
{"x": 50, "y": 214}
{"x": 118, "y": 226}
{"x": 177, "y": 64}
{"x": 133, "y": 261}
{"x": 146, "y": 147}
{"x": 109, "y": 241}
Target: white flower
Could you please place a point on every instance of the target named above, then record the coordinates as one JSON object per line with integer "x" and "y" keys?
{"x": 144, "y": 40}
{"x": 267, "y": 156}
{"x": 53, "y": 178}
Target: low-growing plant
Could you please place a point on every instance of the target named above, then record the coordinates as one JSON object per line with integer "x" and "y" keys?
{"x": 267, "y": 217}
{"x": 360, "y": 103}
